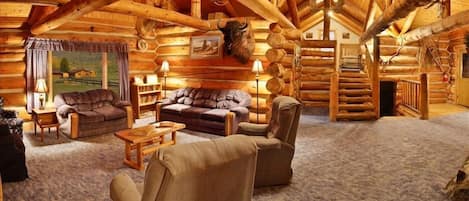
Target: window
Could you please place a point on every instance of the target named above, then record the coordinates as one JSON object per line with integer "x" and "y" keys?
{"x": 465, "y": 65}
{"x": 82, "y": 71}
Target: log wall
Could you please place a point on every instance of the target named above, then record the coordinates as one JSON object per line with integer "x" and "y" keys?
{"x": 406, "y": 65}
{"x": 225, "y": 72}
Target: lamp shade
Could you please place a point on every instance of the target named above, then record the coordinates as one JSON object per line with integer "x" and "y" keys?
{"x": 257, "y": 66}
{"x": 165, "y": 66}
{"x": 41, "y": 86}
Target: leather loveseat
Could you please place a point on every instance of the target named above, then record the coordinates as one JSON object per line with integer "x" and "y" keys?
{"x": 217, "y": 111}
{"x": 93, "y": 112}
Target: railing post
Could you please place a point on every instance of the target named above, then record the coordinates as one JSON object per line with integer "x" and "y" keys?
{"x": 424, "y": 100}
{"x": 334, "y": 97}
{"x": 375, "y": 77}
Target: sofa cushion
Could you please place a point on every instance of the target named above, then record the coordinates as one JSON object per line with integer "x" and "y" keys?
{"x": 193, "y": 112}
{"x": 174, "y": 108}
{"x": 90, "y": 117}
{"x": 215, "y": 115}
{"x": 111, "y": 112}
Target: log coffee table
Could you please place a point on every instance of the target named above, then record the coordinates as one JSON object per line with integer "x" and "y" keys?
{"x": 147, "y": 140}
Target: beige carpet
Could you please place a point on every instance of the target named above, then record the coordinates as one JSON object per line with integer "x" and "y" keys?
{"x": 392, "y": 159}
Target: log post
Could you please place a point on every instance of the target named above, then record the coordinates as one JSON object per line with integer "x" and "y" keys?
{"x": 397, "y": 10}
{"x": 424, "y": 96}
{"x": 375, "y": 77}
{"x": 293, "y": 9}
{"x": 196, "y": 9}
{"x": 334, "y": 97}
{"x": 70, "y": 11}
{"x": 327, "y": 20}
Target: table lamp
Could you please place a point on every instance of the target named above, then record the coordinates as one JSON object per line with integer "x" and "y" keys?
{"x": 165, "y": 70}
{"x": 257, "y": 68}
{"x": 41, "y": 88}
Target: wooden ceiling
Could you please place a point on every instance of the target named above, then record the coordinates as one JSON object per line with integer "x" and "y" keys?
{"x": 353, "y": 14}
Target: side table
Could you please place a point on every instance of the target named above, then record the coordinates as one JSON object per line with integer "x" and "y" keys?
{"x": 45, "y": 118}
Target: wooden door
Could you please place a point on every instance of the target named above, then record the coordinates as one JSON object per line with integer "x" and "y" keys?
{"x": 462, "y": 75}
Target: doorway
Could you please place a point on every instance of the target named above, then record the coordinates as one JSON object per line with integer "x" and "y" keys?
{"x": 387, "y": 96}
{"x": 462, "y": 75}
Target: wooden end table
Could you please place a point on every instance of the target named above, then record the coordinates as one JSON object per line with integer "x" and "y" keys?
{"x": 147, "y": 144}
{"x": 45, "y": 118}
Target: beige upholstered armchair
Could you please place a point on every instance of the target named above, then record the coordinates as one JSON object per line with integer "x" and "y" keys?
{"x": 218, "y": 170}
{"x": 276, "y": 142}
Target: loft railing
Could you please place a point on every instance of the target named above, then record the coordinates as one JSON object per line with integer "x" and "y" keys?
{"x": 415, "y": 95}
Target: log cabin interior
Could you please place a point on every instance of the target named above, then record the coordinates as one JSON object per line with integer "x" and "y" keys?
{"x": 383, "y": 99}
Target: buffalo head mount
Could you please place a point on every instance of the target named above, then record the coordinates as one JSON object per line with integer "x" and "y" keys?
{"x": 239, "y": 40}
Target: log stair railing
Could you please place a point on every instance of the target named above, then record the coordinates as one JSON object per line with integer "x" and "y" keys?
{"x": 318, "y": 63}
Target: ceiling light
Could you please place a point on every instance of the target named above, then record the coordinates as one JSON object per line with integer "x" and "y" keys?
{"x": 330, "y": 13}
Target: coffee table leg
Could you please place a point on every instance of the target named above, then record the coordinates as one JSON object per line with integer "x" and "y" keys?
{"x": 127, "y": 151}
{"x": 139, "y": 156}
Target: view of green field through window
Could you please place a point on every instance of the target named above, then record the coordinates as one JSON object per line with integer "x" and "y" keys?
{"x": 82, "y": 71}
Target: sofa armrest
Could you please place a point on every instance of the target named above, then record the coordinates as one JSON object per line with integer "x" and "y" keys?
{"x": 64, "y": 110}
{"x": 161, "y": 104}
{"x": 124, "y": 189}
{"x": 241, "y": 112}
{"x": 8, "y": 114}
{"x": 253, "y": 129}
{"x": 130, "y": 117}
{"x": 121, "y": 104}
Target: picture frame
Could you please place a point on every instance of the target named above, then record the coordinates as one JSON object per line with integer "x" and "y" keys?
{"x": 346, "y": 35}
{"x": 206, "y": 46}
{"x": 309, "y": 36}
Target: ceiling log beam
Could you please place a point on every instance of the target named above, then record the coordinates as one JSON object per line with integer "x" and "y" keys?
{"x": 446, "y": 24}
{"x": 293, "y": 9}
{"x": 69, "y": 11}
{"x": 268, "y": 11}
{"x": 327, "y": 20}
{"x": 369, "y": 14}
{"x": 397, "y": 10}
{"x": 158, "y": 14}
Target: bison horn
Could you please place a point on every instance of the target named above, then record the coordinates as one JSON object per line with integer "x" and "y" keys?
{"x": 244, "y": 26}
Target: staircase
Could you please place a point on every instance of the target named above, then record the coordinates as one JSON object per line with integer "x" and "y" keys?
{"x": 355, "y": 101}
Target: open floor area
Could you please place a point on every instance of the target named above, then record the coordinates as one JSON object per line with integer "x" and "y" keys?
{"x": 394, "y": 158}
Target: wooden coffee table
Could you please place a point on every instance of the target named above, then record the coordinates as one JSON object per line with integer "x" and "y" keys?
{"x": 147, "y": 140}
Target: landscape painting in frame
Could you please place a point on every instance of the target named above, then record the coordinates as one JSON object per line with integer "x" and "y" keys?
{"x": 207, "y": 46}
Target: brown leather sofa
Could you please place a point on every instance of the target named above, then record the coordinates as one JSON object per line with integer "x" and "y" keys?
{"x": 216, "y": 111}
{"x": 219, "y": 170}
{"x": 276, "y": 142}
{"x": 93, "y": 112}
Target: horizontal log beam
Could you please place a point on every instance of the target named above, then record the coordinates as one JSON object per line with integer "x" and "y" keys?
{"x": 158, "y": 14}
{"x": 446, "y": 24}
{"x": 397, "y": 10}
{"x": 268, "y": 11}
{"x": 70, "y": 11}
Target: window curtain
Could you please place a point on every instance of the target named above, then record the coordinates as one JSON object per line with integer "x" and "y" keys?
{"x": 36, "y": 65}
{"x": 36, "y": 68}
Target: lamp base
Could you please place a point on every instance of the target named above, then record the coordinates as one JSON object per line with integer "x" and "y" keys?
{"x": 41, "y": 101}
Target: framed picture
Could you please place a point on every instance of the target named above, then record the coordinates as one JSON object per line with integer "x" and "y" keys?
{"x": 309, "y": 36}
{"x": 346, "y": 35}
{"x": 206, "y": 46}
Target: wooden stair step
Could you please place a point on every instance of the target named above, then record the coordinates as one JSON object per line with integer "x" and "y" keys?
{"x": 360, "y": 99}
{"x": 354, "y": 86}
{"x": 356, "y": 115}
{"x": 353, "y": 75}
{"x": 356, "y": 106}
{"x": 355, "y": 91}
{"x": 317, "y": 70}
{"x": 347, "y": 79}
{"x": 437, "y": 100}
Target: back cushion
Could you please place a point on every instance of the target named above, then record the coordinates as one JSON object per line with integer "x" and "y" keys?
{"x": 89, "y": 100}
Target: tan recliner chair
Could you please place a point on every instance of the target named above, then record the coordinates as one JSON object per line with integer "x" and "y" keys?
{"x": 218, "y": 170}
{"x": 276, "y": 142}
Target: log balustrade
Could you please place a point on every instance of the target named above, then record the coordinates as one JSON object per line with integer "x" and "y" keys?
{"x": 415, "y": 95}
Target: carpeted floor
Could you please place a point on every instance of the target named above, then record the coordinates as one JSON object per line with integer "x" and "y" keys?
{"x": 392, "y": 159}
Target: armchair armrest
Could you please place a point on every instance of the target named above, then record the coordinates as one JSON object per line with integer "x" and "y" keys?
{"x": 8, "y": 114}
{"x": 124, "y": 189}
{"x": 252, "y": 129}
